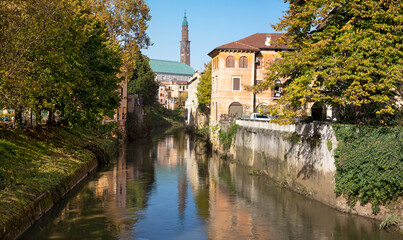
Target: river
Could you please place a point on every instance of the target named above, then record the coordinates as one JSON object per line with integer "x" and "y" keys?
{"x": 170, "y": 187}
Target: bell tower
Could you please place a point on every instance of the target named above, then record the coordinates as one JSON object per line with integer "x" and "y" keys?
{"x": 185, "y": 43}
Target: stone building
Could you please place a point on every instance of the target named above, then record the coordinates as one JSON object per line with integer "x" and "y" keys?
{"x": 239, "y": 64}
{"x": 166, "y": 71}
{"x": 172, "y": 94}
{"x": 194, "y": 118}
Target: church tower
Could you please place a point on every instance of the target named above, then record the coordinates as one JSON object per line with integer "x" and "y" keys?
{"x": 185, "y": 43}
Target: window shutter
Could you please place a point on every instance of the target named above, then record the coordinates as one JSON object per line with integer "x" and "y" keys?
{"x": 243, "y": 62}
{"x": 236, "y": 84}
{"x": 230, "y": 62}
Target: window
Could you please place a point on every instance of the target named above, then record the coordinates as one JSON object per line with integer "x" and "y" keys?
{"x": 236, "y": 83}
{"x": 259, "y": 62}
{"x": 230, "y": 62}
{"x": 243, "y": 62}
{"x": 121, "y": 92}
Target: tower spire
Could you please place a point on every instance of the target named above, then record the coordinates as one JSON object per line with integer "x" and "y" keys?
{"x": 185, "y": 43}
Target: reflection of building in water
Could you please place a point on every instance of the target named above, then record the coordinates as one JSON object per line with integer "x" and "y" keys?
{"x": 228, "y": 216}
{"x": 167, "y": 153}
{"x": 191, "y": 166}
{"x": 112, "y": 188}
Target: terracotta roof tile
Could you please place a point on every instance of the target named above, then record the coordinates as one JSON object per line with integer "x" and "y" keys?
{"x": 255, "y": 42}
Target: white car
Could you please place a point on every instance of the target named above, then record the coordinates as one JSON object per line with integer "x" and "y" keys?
{"x": 261, "y": 117}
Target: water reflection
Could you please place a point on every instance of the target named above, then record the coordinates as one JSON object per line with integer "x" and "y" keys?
{"x": 171, "y": 188}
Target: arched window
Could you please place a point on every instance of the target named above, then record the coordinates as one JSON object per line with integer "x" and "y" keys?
{"x": 243, "y": 62}
{"x": 235, "y": 109}
{"x": 230, "y": 62}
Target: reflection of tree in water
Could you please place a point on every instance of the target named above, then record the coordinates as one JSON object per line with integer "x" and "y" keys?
{"x": 141, "y": 174}
{"x": 226, "y": 179}
{"x": 202, "y": 195}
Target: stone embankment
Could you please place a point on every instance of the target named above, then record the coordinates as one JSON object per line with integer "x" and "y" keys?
{"x": 298, "y": 156}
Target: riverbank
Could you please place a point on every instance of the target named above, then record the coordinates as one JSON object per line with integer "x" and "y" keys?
{"x": 355, "y": 169}
{"x": 38, "y": 167}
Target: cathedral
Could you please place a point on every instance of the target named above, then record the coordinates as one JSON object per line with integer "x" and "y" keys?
{"x": 172, "y": 76}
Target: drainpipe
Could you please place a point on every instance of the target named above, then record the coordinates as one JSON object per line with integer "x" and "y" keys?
{"x": 254, "y": 81}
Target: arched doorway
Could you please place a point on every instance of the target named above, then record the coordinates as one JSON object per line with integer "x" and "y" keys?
{"x": 318, "y": 111}
{"x": 235, "y": 109}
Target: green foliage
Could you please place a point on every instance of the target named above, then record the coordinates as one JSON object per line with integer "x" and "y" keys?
{"x": 369, "y": 164}
{"x": 391, "y": 220}
{"x": 32, "y": 162}
{"x": 329, "y": 145}
{"x": 204, "y": 132}
{"x": 64, "y": 56}
{"x": 348, "y": 54}
{"x": 204, "y": 89}
{"x": 162, "y": 117}
{"x": 227, "y": 137}
{"x": 57, "y": 57}
{"x": 142, "y": 81}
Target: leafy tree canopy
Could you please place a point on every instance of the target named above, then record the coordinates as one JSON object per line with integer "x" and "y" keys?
{"x": 349, "y": 53}
{"x": 142, "y": 81}
{"x": 57, "y": 56}
{"x": 204, "y": 88}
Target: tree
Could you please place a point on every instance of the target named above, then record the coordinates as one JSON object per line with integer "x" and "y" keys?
{"x": 142, "y": 81}
{"x": 204, "y": 89}
{"x": 127, "y": 23}
{"x": 57, "y": 56}
{"x": 349, "y": 55}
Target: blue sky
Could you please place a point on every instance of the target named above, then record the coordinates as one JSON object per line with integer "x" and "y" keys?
{"x": 211, "y": 23}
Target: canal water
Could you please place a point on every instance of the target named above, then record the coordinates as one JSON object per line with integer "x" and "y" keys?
{"x": 170, "y": 187}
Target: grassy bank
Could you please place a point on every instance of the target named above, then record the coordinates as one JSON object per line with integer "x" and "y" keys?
{"x": 41, "y": 160}
{"x": 164, "y": 118}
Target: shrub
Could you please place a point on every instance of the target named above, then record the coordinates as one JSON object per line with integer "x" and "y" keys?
{"x": 227, "y": 137}
{"x": 369, "y": 164}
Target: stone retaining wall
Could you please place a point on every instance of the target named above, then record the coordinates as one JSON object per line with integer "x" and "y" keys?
{"x": 298, "y": 155}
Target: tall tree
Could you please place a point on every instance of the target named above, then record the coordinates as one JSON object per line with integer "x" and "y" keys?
{"x": 204, "y": 89}
{"x": 127, "y": 22}
{"x": 142, "y": 81}
{"x": 57, "y": 56}
{"x": 349, "y": 55}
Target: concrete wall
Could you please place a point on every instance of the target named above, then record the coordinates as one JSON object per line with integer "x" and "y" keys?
{"x": 300, "y": 156}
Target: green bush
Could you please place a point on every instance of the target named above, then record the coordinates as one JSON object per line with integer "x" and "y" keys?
{"x": 227, "y": 137}
{"x": 369, "y": 164}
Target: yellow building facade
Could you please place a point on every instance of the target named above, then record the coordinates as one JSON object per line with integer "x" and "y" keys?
{"x": 240, "y": 64}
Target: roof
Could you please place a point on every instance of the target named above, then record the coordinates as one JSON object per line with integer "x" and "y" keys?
{"x": 171, "y": 67}
{"x": 185, "y": 21}
{"x": 179, "y": 83}
{"x": 255, "y": 42}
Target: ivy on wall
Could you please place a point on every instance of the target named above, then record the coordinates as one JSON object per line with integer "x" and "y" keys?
{"x": 227, "y": 137}
{"x": 369, "y": 164}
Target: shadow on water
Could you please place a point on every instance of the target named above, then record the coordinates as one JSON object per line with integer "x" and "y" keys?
{"x": 171, "y": 186}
